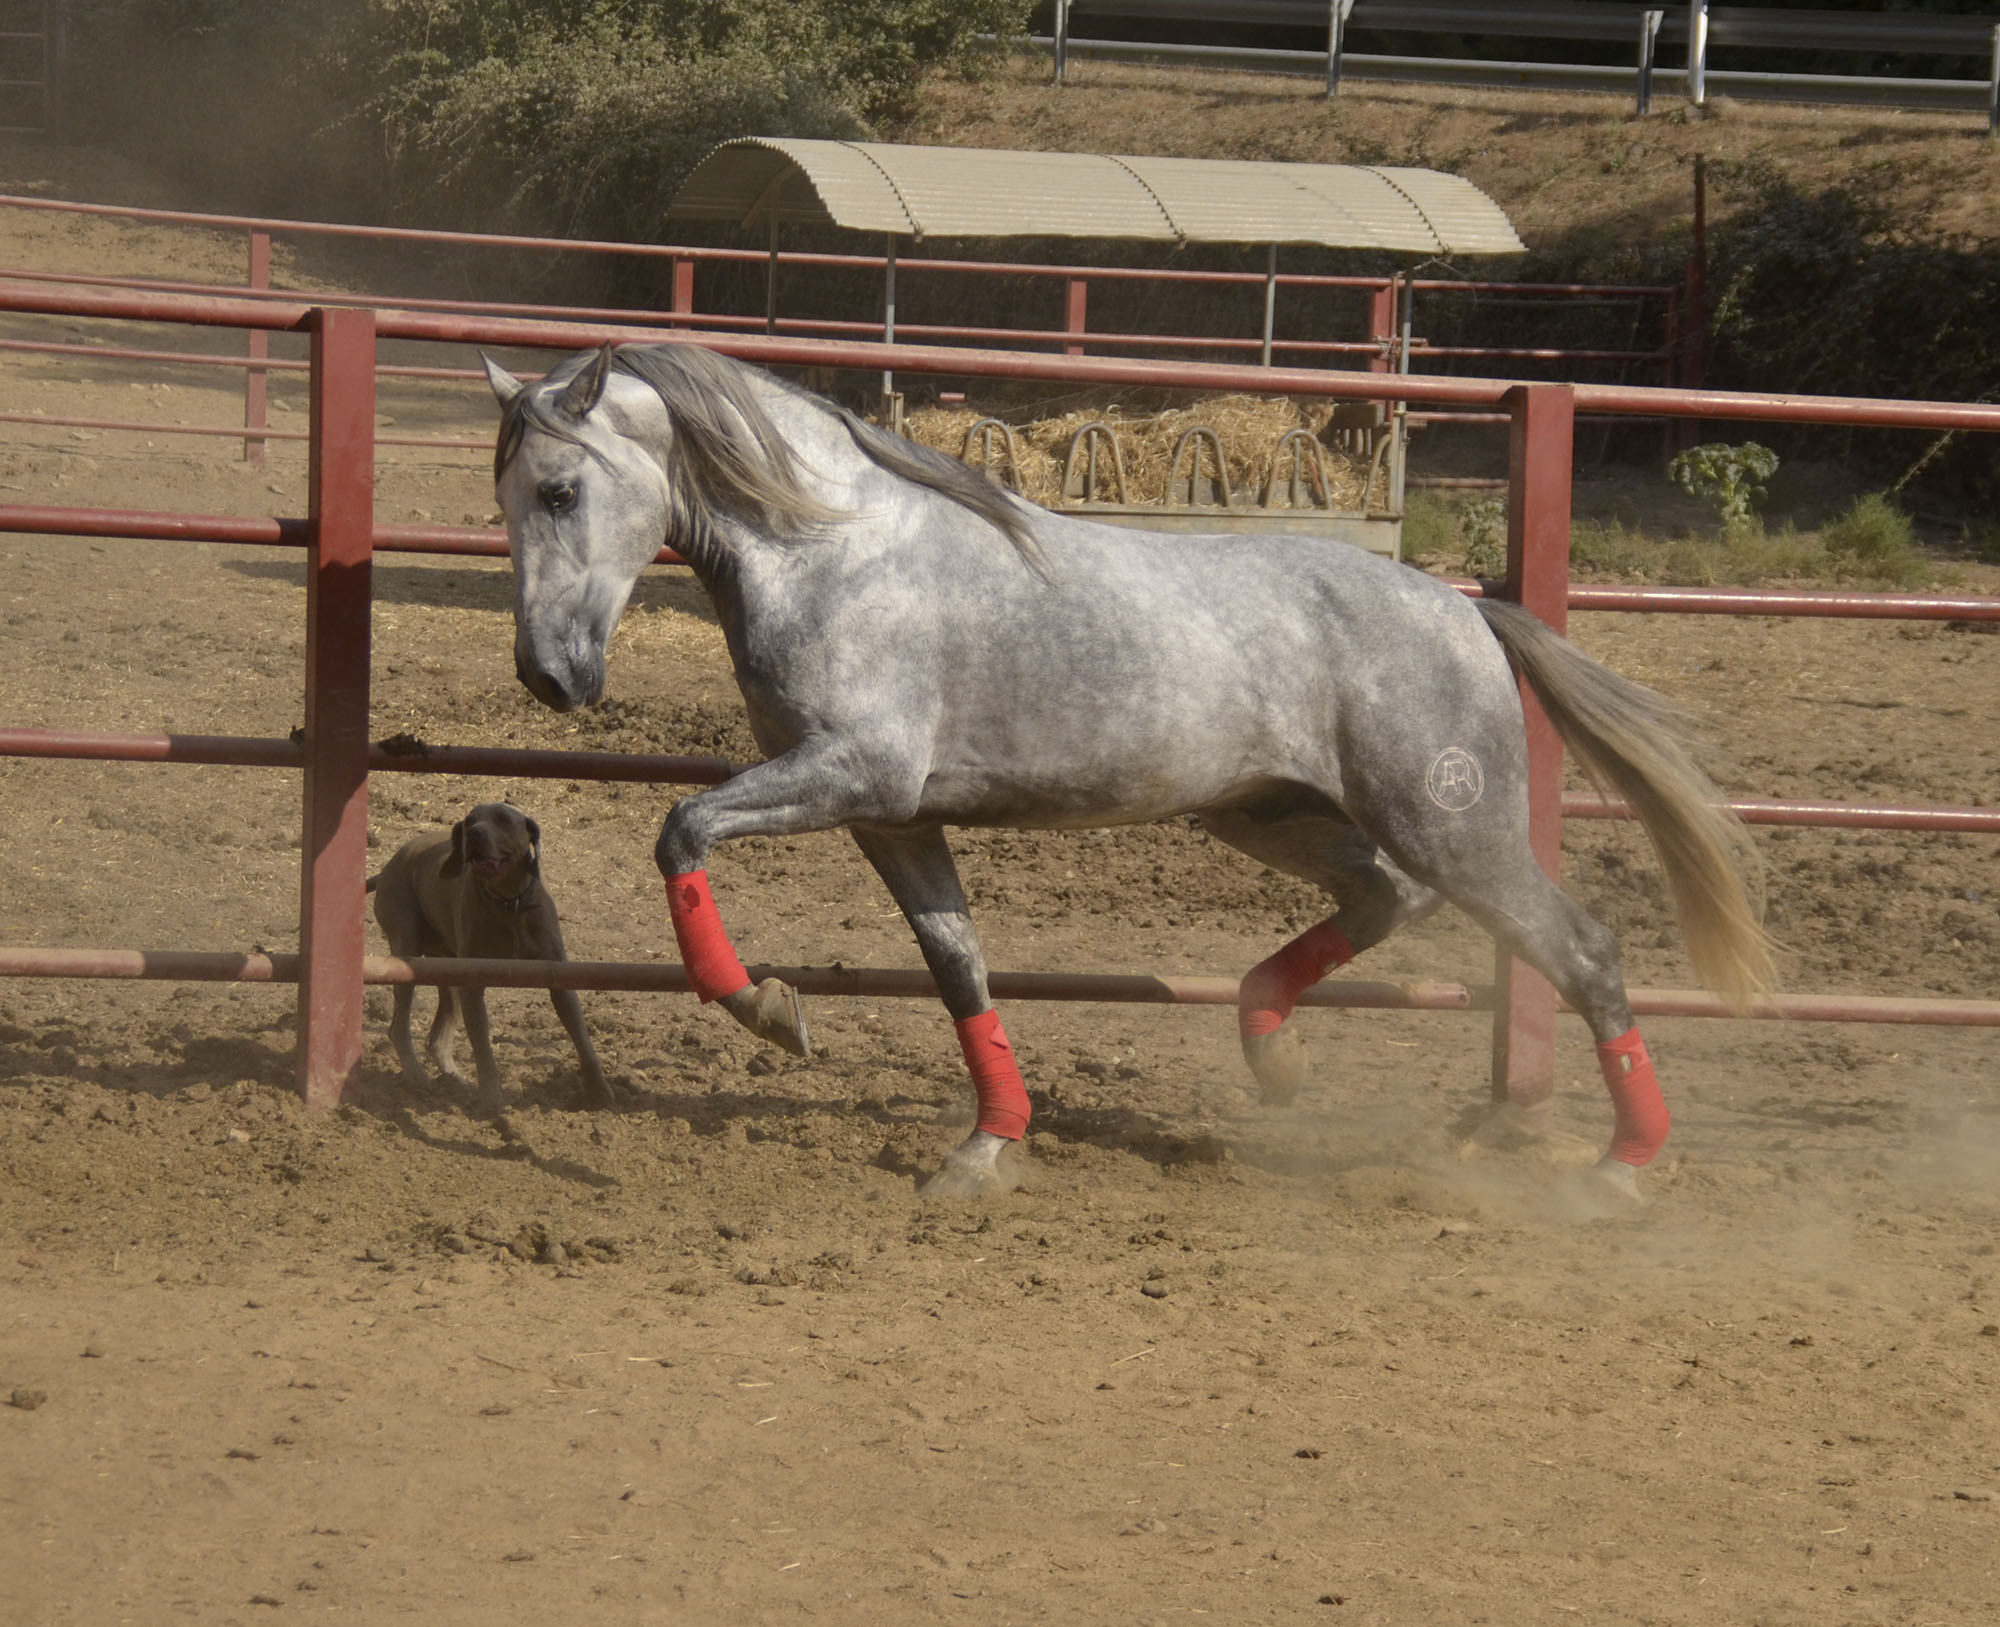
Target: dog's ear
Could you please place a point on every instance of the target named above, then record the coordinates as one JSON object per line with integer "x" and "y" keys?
{"x": 534, "y": 848}
{"x": 454, "y": 861}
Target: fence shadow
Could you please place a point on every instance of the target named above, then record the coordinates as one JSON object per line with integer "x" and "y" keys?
{"x": 477, "y": 585}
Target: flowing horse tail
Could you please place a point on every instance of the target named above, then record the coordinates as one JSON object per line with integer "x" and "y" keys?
{"x": 1639, "y": 744}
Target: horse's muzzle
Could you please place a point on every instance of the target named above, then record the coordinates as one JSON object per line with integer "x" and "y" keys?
{"x": 560, "y": 691}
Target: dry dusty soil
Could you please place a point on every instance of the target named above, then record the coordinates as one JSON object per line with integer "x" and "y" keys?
{"x": 711, "y": 1359}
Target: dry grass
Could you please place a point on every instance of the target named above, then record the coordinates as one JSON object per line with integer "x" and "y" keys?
{"x": 1248, "y": 429}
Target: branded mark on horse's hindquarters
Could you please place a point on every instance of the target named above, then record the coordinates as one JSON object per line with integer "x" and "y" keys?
{"x": 1455, "y": 781}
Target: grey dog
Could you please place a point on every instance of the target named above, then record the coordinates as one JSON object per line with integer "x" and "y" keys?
{"x": 475, "y": 891}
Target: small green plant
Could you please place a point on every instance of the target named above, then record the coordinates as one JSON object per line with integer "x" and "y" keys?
{"x": 1730, "y": 476}
{"x": 1873, "y": 538}
{"x": 1482, "y": 527}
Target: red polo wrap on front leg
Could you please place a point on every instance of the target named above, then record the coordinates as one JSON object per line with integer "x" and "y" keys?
{"x": 1635, "y": 1095}
{"x": 712, "y": 966}
{"x": 1003, "y": 1099}
{"x": 1273, "y": 986}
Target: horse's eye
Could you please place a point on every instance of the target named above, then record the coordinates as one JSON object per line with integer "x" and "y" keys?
{"x": 559, "y": 495}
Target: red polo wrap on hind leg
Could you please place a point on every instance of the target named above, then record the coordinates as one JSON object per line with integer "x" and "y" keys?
{"x": 1003, "y": 1099}
{"x": 1635, "y": 1094}
{"x": 712, "y": 966}
{"x": 1273, "y": 986}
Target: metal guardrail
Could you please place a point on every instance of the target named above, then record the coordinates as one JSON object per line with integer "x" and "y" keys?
{"x": 1695, "y": 27}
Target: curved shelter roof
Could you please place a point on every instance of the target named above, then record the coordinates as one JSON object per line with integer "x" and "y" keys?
{"x": 922, "y": 192}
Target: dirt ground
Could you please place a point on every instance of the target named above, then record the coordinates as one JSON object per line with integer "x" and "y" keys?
{"x": 710, "y": 1359}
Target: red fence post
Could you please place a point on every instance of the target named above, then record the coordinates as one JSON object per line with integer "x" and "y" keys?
{"x": 1538, "y": 498}
{"x": 1382, "y": 326}
{"x": 1075, "y": 306}
{"x": 255, "y": 381}
{"x": 683, "y": 288}
{"x": 334, "y": 854}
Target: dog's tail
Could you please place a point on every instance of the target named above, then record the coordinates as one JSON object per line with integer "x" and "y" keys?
{"x": 1639, "y": 743}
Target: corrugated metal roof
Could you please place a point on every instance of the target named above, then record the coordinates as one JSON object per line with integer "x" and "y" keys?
{"x": 918, "y": 192}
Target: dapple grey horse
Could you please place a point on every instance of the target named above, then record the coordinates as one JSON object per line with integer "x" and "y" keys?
{"x": 918, "y": 648}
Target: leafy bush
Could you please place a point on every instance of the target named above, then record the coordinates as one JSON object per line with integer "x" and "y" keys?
{"x": 572, "y": 116}
{"x": 1731, "y": 476}
{"x": 1873, "y": 538}
{"x": 1482, "y": 525}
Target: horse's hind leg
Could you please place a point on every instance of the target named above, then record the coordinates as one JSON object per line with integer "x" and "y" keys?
{"x": 917, "y": 867}
{"x": 1375, "y": 898}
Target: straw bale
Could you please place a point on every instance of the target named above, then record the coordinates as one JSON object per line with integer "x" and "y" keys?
{"x": 1248, "y": 428}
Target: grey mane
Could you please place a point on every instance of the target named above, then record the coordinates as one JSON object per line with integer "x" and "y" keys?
{"x": 713, "y": 464}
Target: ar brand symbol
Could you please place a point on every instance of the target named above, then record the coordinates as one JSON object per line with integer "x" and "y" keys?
{"x": 1455, "y": 781}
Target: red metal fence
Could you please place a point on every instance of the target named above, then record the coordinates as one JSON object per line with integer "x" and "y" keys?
{"x": 340, "y": 536}
{"x": 1381, "y": 347}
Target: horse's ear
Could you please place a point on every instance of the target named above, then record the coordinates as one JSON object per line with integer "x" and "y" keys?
{"x": 582, "y": 391}
{"x": 505, "y": 385}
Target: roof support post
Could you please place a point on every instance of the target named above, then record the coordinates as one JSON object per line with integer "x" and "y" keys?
{"x": 771, "y": 277}
{"x": 1336, "y": 29}
{"x": 1993, "y": 86}
{"x": 1062, "y": 39}
{"x": 889, "y": 317}
{"x": 1649, "y": 39}
{"x": 256, "y": 382}
{"x": 1270, "y": 301}
{"x": 1697, "y": 69}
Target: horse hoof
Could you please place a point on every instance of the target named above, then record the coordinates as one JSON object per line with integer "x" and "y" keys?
{"x": 971, "y": 1170}
{"x": 1279, "y": 1062}
{"x": 1616, "y": 1180}
{"x": 773, "y": 1013}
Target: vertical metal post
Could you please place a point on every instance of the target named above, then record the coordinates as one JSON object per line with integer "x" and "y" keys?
{"x": 256, "y": 382}
{"x": 1270, "y": 301}
{"x": 1382, "y": 325}
{"x": 1649, "y": 39}
{"x": 334, "y": 853}
{"x": 1697, "y": 67}
{"x": 684, "y": 288}
{"x": 1540, "y": 446}
{"x": 1409, "y": 319}
{"x": 1694, "y": 312}
{"x": 888, "y": 318}
{"x": 771, "y": 276}
{"x": 1062, "y": 39}
{"x": 1076, "y": 308}
{"x": 1336, "y": 30}
{"x": 1993, "y": 86}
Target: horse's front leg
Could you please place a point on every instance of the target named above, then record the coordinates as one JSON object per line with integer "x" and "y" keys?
{"x": 814, "y": 787}
{"x": 917, "y": 867}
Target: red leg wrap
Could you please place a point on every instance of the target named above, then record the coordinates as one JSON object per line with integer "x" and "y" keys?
{"x": 1273, "y": 986}
{"x": 1635, "y": 1093}
{"x": 712, "y": 966}
{"x": 1003, "y": 1099}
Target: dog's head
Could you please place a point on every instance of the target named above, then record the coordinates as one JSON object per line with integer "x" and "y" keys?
{"x": 501, "y": 845}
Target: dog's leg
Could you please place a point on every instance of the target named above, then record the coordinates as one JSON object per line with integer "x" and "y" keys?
{"x": 444, "y": 1031}
{"x": 472, "y": 1004}
{"x": 399, "y": 1035}
{"x": 570, "y": 1009}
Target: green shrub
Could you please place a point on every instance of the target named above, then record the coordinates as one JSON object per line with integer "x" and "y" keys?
{"x": 1730, "y": 476}
{"x": 1482, "y": 527}
{"x": 1873, "y": 538}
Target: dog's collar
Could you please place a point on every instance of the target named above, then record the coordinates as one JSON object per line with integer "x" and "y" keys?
{"x": 517, "y": 904}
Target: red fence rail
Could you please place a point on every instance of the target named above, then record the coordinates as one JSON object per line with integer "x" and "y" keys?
{"x": 341, "y": 536}
{"x": 1380, "y": 347}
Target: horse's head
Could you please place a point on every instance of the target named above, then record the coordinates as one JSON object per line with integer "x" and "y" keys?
{"x": 585, "y": 503}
